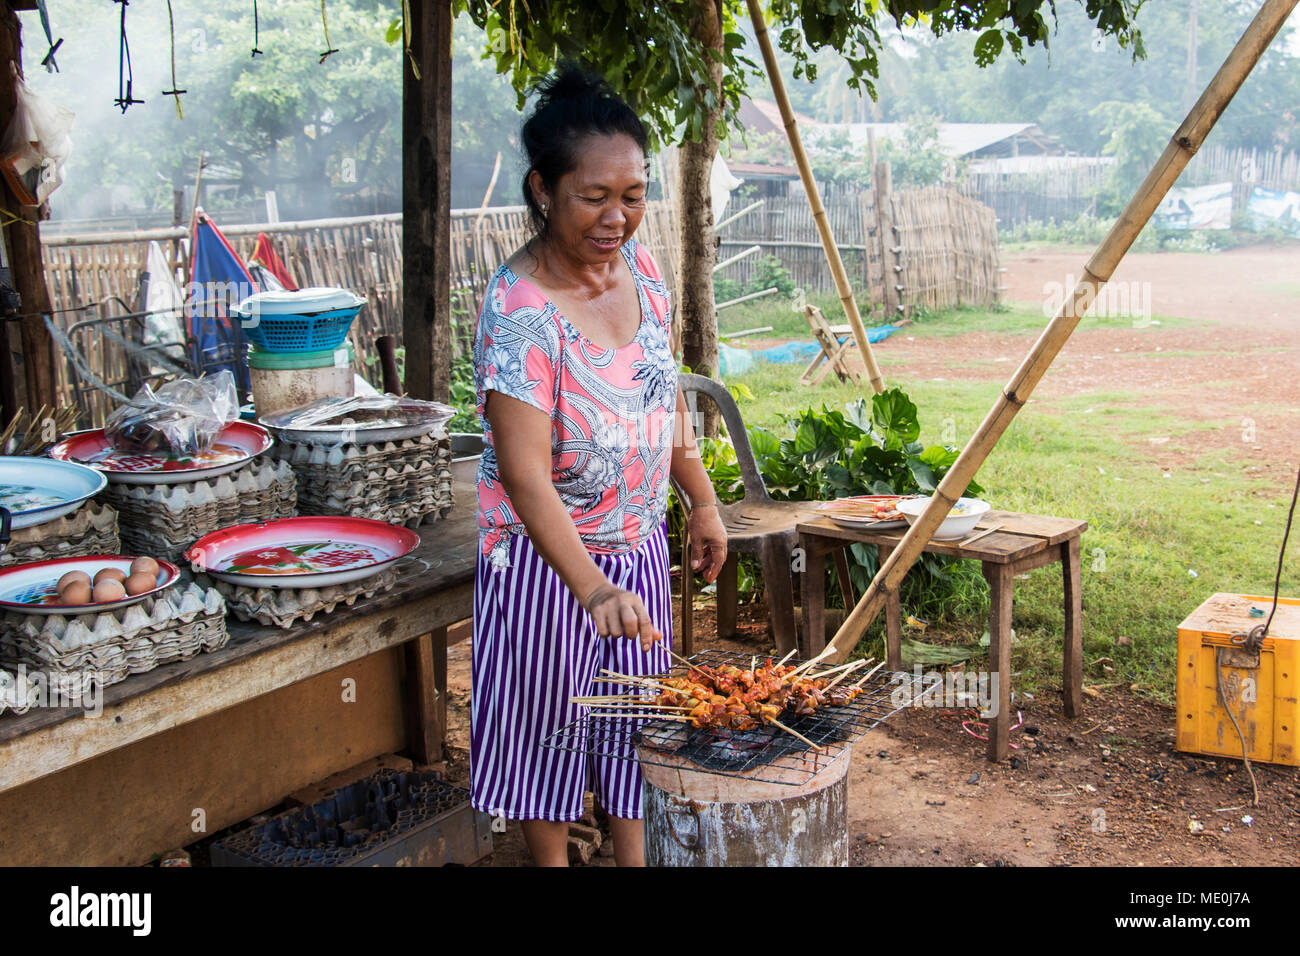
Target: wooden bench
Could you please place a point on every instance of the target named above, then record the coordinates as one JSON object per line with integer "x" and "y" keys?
{"x": 1024, "y": 542}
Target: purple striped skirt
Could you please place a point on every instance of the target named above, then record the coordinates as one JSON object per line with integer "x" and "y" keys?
{"x": 534, "y": 648}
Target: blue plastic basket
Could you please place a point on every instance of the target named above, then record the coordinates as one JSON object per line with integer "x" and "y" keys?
{"x": 298, "y": 333}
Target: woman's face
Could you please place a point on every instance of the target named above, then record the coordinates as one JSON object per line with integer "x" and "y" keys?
{"x": 597, "y": 207}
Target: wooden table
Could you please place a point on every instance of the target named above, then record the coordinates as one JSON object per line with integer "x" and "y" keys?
{"x": 271, "y": 711}
{"x": 1023, "y": 543}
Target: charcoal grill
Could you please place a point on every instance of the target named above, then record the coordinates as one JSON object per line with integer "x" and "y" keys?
{"x": 766, "y": 754}
{"x": 391, "y": 818}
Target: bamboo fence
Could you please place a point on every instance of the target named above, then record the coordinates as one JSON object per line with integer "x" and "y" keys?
{"x": 86, "y": 274}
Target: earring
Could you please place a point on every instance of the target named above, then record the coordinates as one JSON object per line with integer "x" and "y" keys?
{"x": 544, "y": 208}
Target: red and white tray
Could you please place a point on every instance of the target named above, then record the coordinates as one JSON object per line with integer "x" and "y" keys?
{"x": 33, "y": 588}
{"x": 307, "y": 552}
{"x": 236, "y": 445}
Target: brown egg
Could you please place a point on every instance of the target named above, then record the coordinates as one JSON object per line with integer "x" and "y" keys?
{"x": 110, "y": 590}
{"x": 73, "y": 576}
{"x": 110, "y": 574}
{"x": 140, "y": 582}
{"x": 76, "y": 592}
{"x": 148, "y": 565}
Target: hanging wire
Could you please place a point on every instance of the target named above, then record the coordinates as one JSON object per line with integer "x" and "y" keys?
{"x": 256, "y": 51}
{"x": 171, "y": 28}
{"x": 124, "y": 98}
{"x": 325, "y": 24}
{"x": 48, "y": 62}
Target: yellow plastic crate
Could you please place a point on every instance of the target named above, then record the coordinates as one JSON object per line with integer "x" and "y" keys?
{"x": 1261, "y": 691}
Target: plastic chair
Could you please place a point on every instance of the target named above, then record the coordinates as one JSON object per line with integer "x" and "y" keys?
{"x": 755, "y": 525}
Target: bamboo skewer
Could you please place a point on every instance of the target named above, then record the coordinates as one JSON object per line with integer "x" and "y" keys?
{"x": 1186, "y": 140}
{"x": 794, "y": 733}
{"x": 847, "y": 673}
{"x": 863, "y": 679}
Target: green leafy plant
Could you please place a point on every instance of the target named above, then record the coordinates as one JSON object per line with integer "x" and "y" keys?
{"x": 866, "y": 449}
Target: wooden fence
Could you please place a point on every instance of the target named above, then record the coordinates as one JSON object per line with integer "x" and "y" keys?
{"x": 97, "y": 276}
{"x": 947, "y": 246}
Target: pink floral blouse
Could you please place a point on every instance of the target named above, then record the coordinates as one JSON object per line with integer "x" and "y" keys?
{"x": 611, "y": 410}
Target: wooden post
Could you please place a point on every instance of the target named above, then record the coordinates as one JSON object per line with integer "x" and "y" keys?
{"x": 1182, "y": 147}
{"x": 23, "y": 240}
{"x": 890, "y": 260}
{"x": 814, "y": 198}
{"x": 426, "y": 202}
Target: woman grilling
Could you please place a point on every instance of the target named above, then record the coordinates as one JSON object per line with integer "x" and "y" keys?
{"x": 577, "y": 393}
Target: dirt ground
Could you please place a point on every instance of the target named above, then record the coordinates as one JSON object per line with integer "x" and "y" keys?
{"x": 1106, "y": 788}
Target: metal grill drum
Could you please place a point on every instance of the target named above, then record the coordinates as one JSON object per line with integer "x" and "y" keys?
{"x": 697, "y": 818}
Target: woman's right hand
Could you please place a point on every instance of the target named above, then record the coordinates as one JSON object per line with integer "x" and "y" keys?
{"x": 620, "y": 613}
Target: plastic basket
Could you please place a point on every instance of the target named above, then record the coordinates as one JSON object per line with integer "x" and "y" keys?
{"x": 293, "y": 332}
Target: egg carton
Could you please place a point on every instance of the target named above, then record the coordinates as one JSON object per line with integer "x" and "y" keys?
{"x": 404, "y": 482}
{"x": 17, "y": 693}
{"x": 188, "y": 510}
{"x": 282, "y": 607}
{"x": 91, "y": 529}
{"x": 175, "y": 625}
{"x": 162, "y": 521}
{"x": 337, "y": 459}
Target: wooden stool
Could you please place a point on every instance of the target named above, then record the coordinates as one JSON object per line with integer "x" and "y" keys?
{"x": 1022, "y": 543}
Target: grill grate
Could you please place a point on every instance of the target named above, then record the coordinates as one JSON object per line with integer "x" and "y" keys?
{"x": 766, "y": 754}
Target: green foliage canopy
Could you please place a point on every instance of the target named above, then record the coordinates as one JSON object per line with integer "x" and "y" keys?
{"x": 648, "y": 54}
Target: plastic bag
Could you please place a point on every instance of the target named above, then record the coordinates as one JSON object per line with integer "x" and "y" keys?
{"x": 363, "y": 411}
{"x": 183, "y": 417}
{"x": 36, "y": 145}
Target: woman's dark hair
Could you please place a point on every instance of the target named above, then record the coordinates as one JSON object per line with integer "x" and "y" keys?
{"x": 573, "y": 104}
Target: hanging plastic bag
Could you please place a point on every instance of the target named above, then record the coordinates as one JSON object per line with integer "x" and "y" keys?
{"x": 36, "y": 145}
{"x": 183, "y": 417}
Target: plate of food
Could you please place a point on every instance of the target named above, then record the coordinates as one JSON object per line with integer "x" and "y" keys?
{"x": 37, "y": 490}
{"x": 238, "y": 443}
{"x": 306, "y": 552}
{"x": 866, "y": 512}
{"x": 85, "y": 585}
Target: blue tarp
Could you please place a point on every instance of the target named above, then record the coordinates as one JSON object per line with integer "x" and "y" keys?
{"x": 738, "y": 361}
{"x": 218, "y": 281}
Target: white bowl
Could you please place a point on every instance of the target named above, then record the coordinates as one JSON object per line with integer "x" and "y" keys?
{"x": 960, "y": 522}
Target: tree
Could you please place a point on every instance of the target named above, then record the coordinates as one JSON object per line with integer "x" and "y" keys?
{"x": 940, "y": 75}
{"x": 681, "y": 66}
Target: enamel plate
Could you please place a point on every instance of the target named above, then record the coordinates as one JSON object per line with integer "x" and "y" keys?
{"x": 307, "y": 552}
{"x": 32, "y": 588}
{"x": 37, "y": 490}
{"x": 237, "y": 444}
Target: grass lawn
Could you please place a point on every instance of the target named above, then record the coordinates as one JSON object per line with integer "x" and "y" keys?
{"x": 1157, "y": 543}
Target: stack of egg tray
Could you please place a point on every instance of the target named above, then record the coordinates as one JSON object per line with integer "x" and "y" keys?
{"x": 17, "y": 693}
{"x": 162, "y": 521}
{"x": 281, "y": 607}
{"x": 91, "y": 529}
{"x": 405, "y": 482}
{"x": 107, "y": 646}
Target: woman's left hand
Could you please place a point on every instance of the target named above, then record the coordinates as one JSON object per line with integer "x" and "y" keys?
{"x": 708, "y": 541}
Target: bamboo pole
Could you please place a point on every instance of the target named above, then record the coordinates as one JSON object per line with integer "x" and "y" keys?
{"x": 814, "y": 198}
{"x": 1182, "y": 147}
